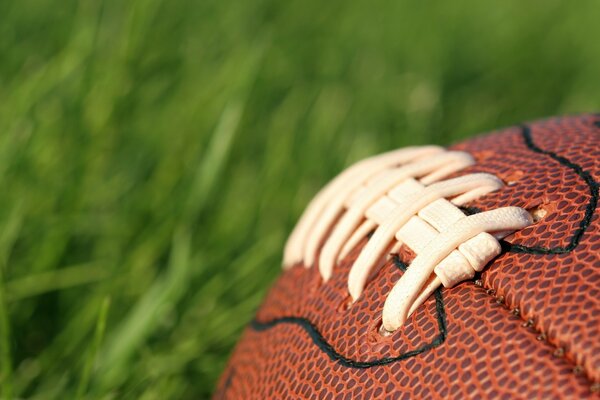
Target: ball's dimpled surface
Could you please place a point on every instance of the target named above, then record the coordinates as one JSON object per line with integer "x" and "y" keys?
{"x": 527, "y": 328}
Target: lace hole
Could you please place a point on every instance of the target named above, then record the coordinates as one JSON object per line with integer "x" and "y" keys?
{"x": 381, "y": 331}
{"x": 377, "y": 335}
{"x": 384, "y": 332}
{"x": 513, "y": 178}
{"x": 345, "y": 304}
{"x": 539, "y": 212}
{"x": 484, "y": 155}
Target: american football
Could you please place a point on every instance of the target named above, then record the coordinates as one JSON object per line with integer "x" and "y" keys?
{"x": 471, "y": 271}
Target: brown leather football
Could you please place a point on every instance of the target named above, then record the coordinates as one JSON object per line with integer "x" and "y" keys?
{"x": 468, "y": 272}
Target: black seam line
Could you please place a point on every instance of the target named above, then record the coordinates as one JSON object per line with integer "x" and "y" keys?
{"x": 328, "y": 349}
{"x": 589, "y": 209}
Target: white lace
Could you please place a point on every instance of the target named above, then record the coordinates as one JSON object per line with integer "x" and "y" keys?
{"x": 403, "y": 196}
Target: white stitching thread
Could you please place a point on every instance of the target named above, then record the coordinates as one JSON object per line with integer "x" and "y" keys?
{"x": 403, "y": 196}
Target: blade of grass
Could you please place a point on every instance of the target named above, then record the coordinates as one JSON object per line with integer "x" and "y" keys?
{"x": 147, "y": 313}
{"x": 5, "y": 335}
{"x": 91, "y": 359}
{"x": 7, "y": 239}
{"x": 62, "y": 278}
{"x": 215, "y": 157}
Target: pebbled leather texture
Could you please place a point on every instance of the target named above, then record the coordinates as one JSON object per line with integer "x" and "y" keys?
{"x": 527, "y": 327}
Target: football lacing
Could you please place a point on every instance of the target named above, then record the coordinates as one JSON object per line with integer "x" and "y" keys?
{"x": 404, "y": 197}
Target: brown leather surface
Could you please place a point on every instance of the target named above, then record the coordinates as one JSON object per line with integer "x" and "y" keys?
{"x": 528, "y": 327}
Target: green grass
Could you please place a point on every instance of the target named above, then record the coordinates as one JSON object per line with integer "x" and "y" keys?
{"x": 155, "y": 154}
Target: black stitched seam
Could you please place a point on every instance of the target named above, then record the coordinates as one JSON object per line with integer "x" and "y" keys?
{"x": 589, "y": 209}
{"x": 327, "y": 348}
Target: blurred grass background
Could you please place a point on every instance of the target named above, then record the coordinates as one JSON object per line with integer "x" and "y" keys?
{"x": 155, "y": 154}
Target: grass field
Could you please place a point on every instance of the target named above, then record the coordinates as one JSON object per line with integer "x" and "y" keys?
{"x": 155, "y": 154}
